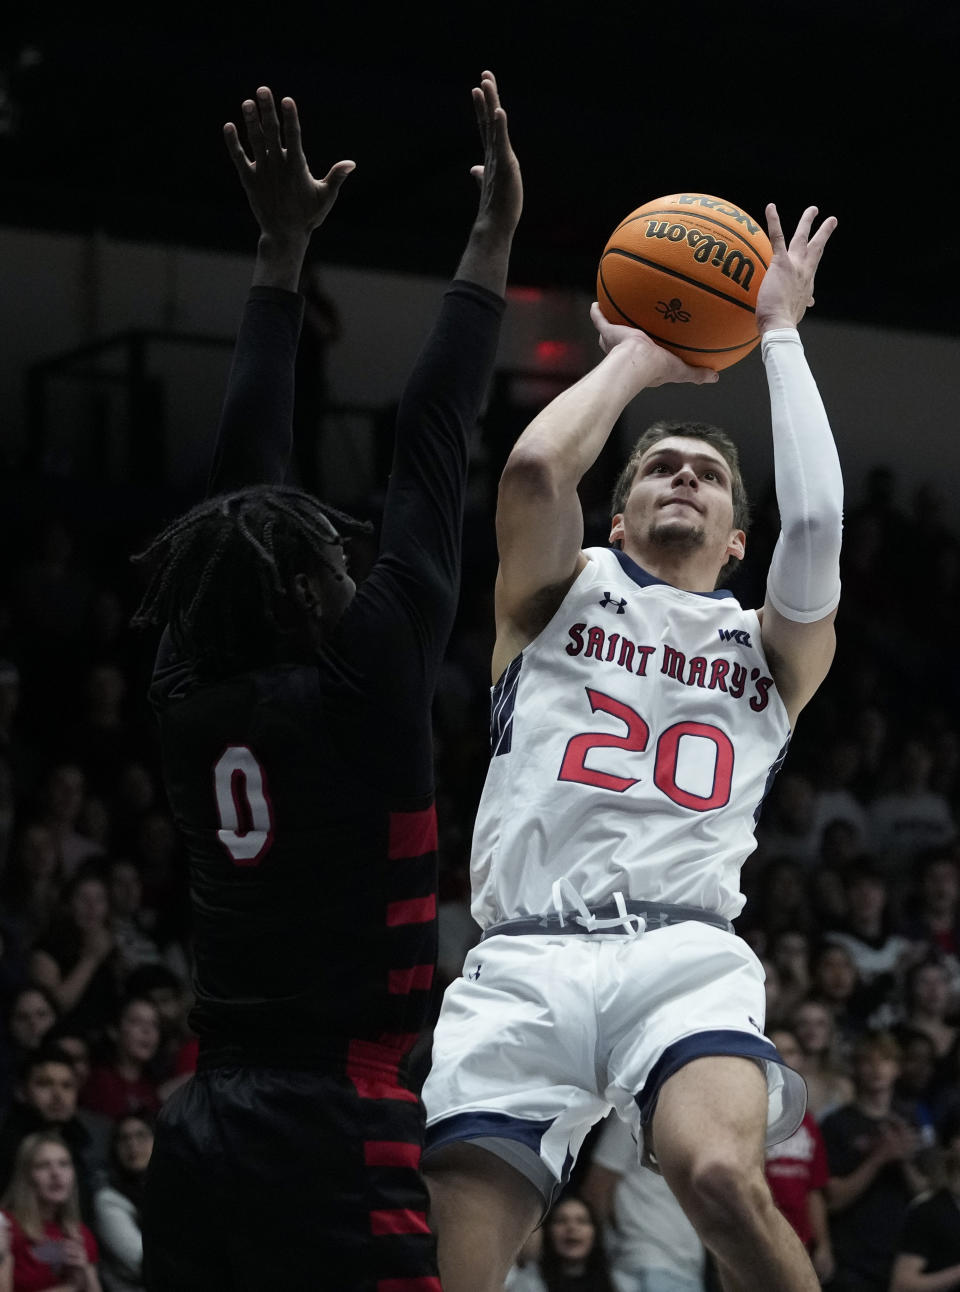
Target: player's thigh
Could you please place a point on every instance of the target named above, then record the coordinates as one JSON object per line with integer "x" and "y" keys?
{"x": 711, "y": 1113}
{"x": 482, "y": 1209}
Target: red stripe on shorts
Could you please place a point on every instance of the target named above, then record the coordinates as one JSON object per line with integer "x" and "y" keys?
{"x": 409, "y": 1285}
{"x": 398, "y": 1222}
{"x": 400, "y": 982}
{"x": 412, "y": 834}
{"x": 375, "y": 1075}
{"x": 412, "y": 910}
{"x": 390, "y": 1152}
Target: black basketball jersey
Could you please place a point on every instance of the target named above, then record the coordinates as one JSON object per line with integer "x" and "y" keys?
{"x": 304, "y": 792}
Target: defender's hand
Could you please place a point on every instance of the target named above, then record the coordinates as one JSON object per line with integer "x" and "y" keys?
{"x": 501, "y": 188}
{"x": 286, "y": 200}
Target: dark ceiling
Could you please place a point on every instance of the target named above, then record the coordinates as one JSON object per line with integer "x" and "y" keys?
{"x": 850, "y": 106}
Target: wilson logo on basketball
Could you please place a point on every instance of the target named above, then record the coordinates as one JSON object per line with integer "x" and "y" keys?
{"x": 706, "y": 250}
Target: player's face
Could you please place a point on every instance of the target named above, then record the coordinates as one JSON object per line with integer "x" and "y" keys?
{"x": 681, "y": 499}
{"x": 51, "y": 1173}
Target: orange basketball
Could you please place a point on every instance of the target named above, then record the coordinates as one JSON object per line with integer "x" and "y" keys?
{"x": 686, "y": 270}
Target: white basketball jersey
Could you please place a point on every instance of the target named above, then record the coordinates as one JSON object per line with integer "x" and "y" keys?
{"x": 632, "y": 742}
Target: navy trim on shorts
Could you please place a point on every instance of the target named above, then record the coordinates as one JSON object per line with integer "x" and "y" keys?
{"x": 515, "y": 1140}
{"x": 467, "y": 1126}
{"x": 699, "y": 1046}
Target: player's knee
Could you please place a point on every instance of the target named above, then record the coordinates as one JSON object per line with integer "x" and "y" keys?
{"x": 721, "y": 1193}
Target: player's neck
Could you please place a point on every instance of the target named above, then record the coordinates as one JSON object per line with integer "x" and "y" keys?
{"x": 691, "y": 571}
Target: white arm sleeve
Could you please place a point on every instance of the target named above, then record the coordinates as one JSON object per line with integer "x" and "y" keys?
{"x": 803, "y": 583}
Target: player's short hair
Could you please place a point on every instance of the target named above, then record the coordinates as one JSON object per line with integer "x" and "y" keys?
{"x": 223, "y": 575}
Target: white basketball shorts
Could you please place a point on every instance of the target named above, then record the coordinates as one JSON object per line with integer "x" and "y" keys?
{"x": 544, "y": 1034}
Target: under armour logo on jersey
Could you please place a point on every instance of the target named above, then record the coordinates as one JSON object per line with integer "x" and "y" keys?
{"x": 476, "y": 973}
{"x": 614, "y": 601}
{"x": 735, "y": 635}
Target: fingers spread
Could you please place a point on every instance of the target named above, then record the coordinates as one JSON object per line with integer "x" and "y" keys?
{"x": 337, "y": 173}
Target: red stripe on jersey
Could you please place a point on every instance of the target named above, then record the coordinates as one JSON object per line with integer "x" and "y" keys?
{"x": 412, "y": 833}
{"x": 412, "y": 910}
{"x": 400, "y": 982}
{"x": 389, "y": 1152}
{"x": 398, "y": 1222}
{"x": 374, "y": 1073}
{"x": 409, "y": 1285}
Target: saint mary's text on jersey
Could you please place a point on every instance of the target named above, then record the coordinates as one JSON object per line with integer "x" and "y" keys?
{"x": 718, "y": 673}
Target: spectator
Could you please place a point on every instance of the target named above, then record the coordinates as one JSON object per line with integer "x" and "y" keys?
{"x": 790, "y": 954}
{"x": 834, "y": 799}
{"x": 61, "y": 802}
{"x": 788, "y": 827}
{"x": 828, "y": 1085}
{"x": 32, "y": 1014}
{"x": 928, "y": 1253}
{"x": 797, "y": 1174}
{"x": 77, "y": 961}
{"x": 572, "y": 1258}
{"x": 34, "y": 881}
{"x": 835, "y": 981}
{"x": 927, "y": 1007}
{"x": 652, "y": 1244}
{"x": 118, "y": 1203}
{"x": 122, "y": 1085}
{"x": 52, "y": 1249}
{"x": 128, "y": 920}
{"x": 911, "y": 817}
{"x": 47, "y": 1100}
{"x": 917, "y": 1082}
{"x": 868, "y": 932}
{"x": 176, "y": 1059}
{"x": 935, "y": 914}
{"x": 872, "y": 1147}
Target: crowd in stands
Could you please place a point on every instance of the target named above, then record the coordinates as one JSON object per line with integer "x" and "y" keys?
{"x": 853, "y": 905}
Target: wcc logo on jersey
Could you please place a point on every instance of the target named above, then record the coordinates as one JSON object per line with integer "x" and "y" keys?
{"x": 739, "y": 635}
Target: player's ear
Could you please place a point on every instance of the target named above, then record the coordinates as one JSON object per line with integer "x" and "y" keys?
{"x": 737, "y": 545}
{"x": 307, "y": 596}
{"x": 616, "y": 530}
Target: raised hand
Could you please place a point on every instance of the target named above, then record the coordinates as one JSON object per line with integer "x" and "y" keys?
{"x": 286, "y": 200}
{"x": 501, "y": 188}
{"x": 787, "y": 288}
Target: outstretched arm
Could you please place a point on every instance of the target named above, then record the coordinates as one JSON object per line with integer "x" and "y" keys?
{"x": 803, "y": 585}
{"x": 539, "y": 519}
{"x": 255, "y": 437}
{"x": 442, "y": 399}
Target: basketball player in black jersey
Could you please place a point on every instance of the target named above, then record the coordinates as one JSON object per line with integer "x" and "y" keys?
{"x": 294, "y": 713}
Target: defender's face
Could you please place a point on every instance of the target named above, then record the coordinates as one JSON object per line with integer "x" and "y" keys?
{"x": 681, "y": 497}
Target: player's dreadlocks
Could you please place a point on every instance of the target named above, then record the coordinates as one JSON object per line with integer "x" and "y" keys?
{"x": 223, "y": 574}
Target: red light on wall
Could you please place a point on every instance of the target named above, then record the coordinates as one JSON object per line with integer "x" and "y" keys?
{"x": 531, "y": 295}
{"x": 555, "y": 352}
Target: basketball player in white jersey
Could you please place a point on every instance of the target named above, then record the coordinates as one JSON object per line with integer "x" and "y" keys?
{"x": 639, "y": 716}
